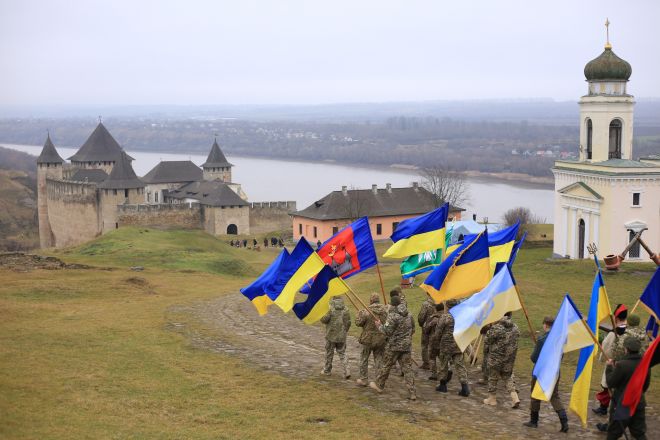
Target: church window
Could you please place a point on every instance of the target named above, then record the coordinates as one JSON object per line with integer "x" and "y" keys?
{"x": 315, "y": 232}
{"x": 615, "y": 139}
{"x": 590, "y": 132}
{"x": 636, "y": 199}
{"x": 379, "y": 229}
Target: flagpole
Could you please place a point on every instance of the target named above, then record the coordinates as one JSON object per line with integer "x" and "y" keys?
{"x": 382, "y": 287}
{"x": 529, "y": 323}
{"x": 475, "y": 353}
{"x": 635, "y": 306}
{"x": 360, "y": 301}
{"x": 593, "y": 250}
{"x": 595, "y": 339}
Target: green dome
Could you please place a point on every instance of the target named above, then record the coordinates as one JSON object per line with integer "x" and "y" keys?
{"x": 607, "y": 66}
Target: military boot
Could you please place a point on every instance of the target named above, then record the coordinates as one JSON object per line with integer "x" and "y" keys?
{"x": 442, "y": 387}
{"x": 533, "y": 420}
{"x": 491, "y": 400}
{"x": 412, "y": 396}
{"x": 465, "y": 390}
{"x": 515, "y": 401}
{"x": 450, "y": 374}
{"x": 375, "y": 387}
{"x": 563, "y": 419}
{"x": 362, "y": 383}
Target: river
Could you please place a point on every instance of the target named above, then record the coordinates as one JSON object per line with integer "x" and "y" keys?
{"x": 305, "y": 182}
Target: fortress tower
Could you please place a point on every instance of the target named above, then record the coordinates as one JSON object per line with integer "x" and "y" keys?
{"x": 49, "y": 165}
{"x": 606, "y": 196}
{"x": 216, "y": 165}
{"x": 121, "y": 187}
{"x": 100, "y": 151}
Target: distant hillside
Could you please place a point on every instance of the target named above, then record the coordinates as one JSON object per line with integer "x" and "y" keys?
{"x": 18, "y": 210}
{"x": 17, "y": 160}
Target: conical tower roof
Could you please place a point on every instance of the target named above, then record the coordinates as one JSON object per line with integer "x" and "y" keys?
{"x": 216, "y": 159}
{"x": 49, "y": 153}
{"x": 122, "y": 175}
{"x": 99, "y": 147}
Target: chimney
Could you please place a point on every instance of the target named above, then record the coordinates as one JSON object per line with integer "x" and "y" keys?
{"x": 388, "y": 186}
{"x": 344, "y": 190}
{"x": 374, "y": 188}
{"x": 415, "y": 186}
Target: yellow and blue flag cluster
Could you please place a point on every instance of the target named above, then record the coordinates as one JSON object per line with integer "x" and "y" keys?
{"x": 599, "y": 310}
{"x": 326, "y": 285}
{"x": 256, "y": 292}
{"x": 482, "y": 308}
{"x": 502, "y": 246}
{"x": 464, "y": 272}
{"x": 295, "y": 270}
{"x": 419, "y": 234}
{"x": 568, "y": 333}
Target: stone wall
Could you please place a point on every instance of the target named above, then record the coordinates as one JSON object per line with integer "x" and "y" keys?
{"x": 163, "y": 215}
{"x": 270, "y": 216}
{"x": 73, "y": 212}
{"x": 226, "y": 215}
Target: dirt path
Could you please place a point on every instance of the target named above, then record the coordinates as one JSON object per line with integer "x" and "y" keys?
{"x": 283, "y": 344}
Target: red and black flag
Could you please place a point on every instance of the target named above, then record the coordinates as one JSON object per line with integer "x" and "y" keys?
{"x": 635, "y": 388}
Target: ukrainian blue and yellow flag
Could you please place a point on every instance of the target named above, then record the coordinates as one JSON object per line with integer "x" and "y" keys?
{"x": 256, "y": 292}
{"x": 296, "y": 270}
{"x": 419, "y": 234}
{"x": 599, "y": 310}
{"x": 482, "y": 308}
{"x": 650, "y": 298}
{"x": 568, "y": 333}
{"x": 501, "y": 245}
{"x": 464, "y": 272}
{"x": 326, "y": 285}
{"x": 516, "y": 248}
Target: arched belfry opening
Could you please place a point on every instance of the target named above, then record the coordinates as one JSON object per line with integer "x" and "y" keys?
{"x": 616, "y": 129}
{"x": 590, "y": 136}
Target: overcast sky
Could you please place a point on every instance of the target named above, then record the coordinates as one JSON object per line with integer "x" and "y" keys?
{"x": 116, "y": 52}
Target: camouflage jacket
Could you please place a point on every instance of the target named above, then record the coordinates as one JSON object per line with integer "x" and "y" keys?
{"x": 428, "y": 307}
{"x": 443, "y": 336}
{"x": 337, "y": 322}
{"x": 399, "y": 329}
{"x": 370, "y": 335}
{"x": 431, "y": 324}
{"x": 619, "y": 352}
{"x": 502, "y": 341}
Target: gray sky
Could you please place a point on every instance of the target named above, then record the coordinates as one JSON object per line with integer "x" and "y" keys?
{"x": 116, "y": 52}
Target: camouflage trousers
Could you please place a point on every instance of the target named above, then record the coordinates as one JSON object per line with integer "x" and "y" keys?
{"x": 458, "y": 365}
{"x": 330, "y": 348}
{"x": 433, "y": 364}
{"x": 405, "y": 360}
{"x": 495, "y": 376}
{"x": 425, "y": 349}
{"x": 367, "y": 351}
{"x": 484, "y": 364}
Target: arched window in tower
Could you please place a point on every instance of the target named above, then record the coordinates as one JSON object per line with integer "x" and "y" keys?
{"x": 615, "y": 139}
{"x": 590, "y": 133}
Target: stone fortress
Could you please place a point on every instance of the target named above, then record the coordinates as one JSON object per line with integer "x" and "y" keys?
{"x": 98, "y": 191}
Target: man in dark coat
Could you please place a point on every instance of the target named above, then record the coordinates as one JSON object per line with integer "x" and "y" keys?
{"x": 617, "y": 375}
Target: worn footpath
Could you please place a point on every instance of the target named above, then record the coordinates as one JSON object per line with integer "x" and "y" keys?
{"x": 283, "y": 344}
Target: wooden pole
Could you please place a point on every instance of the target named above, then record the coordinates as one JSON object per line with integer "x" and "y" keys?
{"x": 475, "y": 352}
{"x": 382, "y": 287}
{"x": 595, "y": 339}
{"x": 353, "y": 302}
{"x": 635, "y": 307}
{"x": 360, "y": 301}
{"x": 529, "y": 323}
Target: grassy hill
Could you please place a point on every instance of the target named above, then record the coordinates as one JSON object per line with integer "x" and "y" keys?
{"x": 18, "y": 211}
{"x": 87, "y": 353}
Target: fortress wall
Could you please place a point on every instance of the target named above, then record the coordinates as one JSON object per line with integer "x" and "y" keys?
{"x": 225, "y": 216}
{"x": 73, "y": 212}
{"x": 270, "y": 216}
{"x": 162, "y": 215}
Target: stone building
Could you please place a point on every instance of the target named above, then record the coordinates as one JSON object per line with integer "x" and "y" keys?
{"x": 386, "y": 208}
{"x": 99, "y": 191}
{"x": 606, "y": 196}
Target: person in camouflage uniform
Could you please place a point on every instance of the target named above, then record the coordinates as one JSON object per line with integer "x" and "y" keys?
{"x": 483, "y": 380}
{"x": 449, "y": 351}
{"x": 371, "y": 339}
{"x": 337, "y": 322}
{"x": 429, "y": 331}
{"x": 425, "y": 312}
{"x": 633, "y": 330}
{"x": 502, "y": 340}
{"x": 399, "y": 329}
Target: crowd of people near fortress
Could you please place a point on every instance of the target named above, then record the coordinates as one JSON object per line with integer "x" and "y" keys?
{"x": 254, "y": 244}
{"x": 386, "y": 337}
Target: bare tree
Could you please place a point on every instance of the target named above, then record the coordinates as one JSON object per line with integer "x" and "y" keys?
{"x": 446, "y": 185}
{"x": 524, "y": 215}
